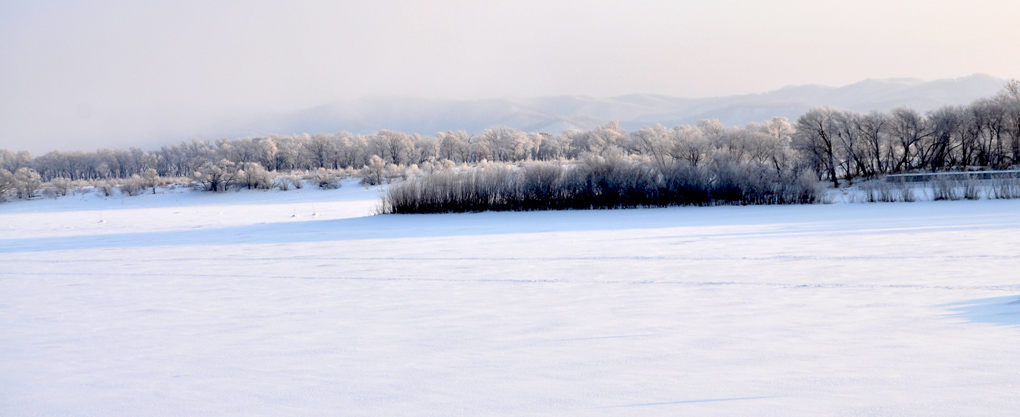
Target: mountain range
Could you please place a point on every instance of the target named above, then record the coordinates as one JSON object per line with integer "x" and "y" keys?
{"x": 555, "y": 114}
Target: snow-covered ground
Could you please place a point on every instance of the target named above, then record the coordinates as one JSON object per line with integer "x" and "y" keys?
{"x": 186, "y": 303}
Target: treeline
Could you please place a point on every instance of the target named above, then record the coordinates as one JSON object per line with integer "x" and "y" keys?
{"x": 847, "y": 145}
{"x": 834, "y": 144}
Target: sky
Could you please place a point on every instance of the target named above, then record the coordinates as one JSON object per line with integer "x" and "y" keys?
{"x": 89, "y": 74}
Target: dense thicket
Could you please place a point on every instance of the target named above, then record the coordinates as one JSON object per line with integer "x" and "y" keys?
{"x": 834, "y": 144}
{"x": 598, "y": 183}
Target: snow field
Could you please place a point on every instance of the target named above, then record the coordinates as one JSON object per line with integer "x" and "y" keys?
{"x": 842, "y": 309}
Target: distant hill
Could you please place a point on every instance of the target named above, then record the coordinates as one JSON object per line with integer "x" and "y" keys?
{"x": 555, "y": 114}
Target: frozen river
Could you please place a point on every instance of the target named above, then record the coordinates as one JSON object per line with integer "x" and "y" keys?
{"x": 302, "y": 303}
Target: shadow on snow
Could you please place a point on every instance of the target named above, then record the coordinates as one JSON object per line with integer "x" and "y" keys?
{"x": 763, "y": 220}
{"x": 999, "y": 310}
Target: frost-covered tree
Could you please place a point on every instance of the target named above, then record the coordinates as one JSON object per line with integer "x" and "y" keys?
{"x": 374, "y": 172}
{"x": 549, "y": 147}
{"x": 150, "y": 179}
{"x": 28, "y": 182}
{"x": 506, "y": 144}
{"x": 288, "y": 153}
{"x": 425, "y": 149}
{"x": 780, "y": 132}
{"x": 320, "y": 150}
{"x": 454, "y": 146}
{"x": 394, "y": 147}
{"x": 215, "y": 176}
{"x": 689, "y": 145}
{"x": 655, "y": 142}
{"x": 253, "y": 176}
{"x": 834, "y": 144}
{"x": 8, "y": 183}
{"x": 265, "y": 152}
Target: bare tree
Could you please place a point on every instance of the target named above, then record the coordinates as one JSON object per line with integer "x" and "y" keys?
{"x": 815, "y": 138}
{"x": 946, "y": 123}
{"x": 1009, "y": 99}
{"x": 852, "y": 145}
{"x": 910, "y": 130}
{"x": 872, "y": 128}
{"x": 990, "y": 119}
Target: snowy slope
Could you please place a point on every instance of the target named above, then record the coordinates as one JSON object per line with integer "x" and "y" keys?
{"x": 201, "y": 304}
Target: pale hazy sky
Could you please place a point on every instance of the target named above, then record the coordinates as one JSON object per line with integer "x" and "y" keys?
{"x": 79, "y": 75}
